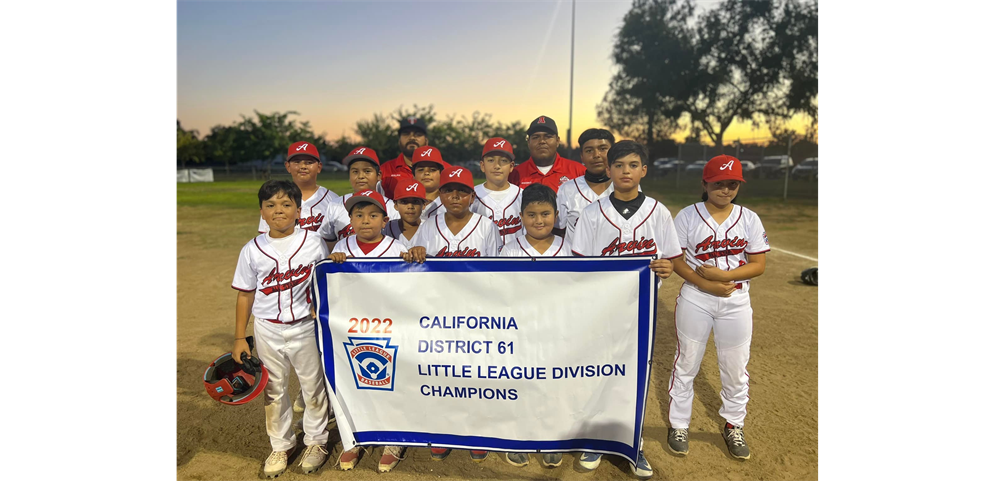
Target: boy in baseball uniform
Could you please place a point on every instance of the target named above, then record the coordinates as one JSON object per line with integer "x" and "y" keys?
{"x": 304, "y": 164}
{"x": 409, "y": 200}
{"x": 578, "y": 193}
{"x": 498, "y": 199}
{"x": 725, "y": 247}
{"x": 272, "y": 277}
{"x": 458, "y": 232}
{"x": 428, "y": 165}
{"x": 364, "y": 174}
{"x": 627, "y": 223}
{"x": 538, "y": 216}
{"x": 368, "y": 216}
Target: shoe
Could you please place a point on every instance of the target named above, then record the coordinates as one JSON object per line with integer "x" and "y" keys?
{"x": 299, "y": 402}
{"x": 276, "y": 463}
{"x": 348, "y": 459}
{"x": 589, "y": 461}
{"x": 517, "y": 460}
{"x": 438, "y": 454}
{"x": 642, "y": 468}
{"x": 677, "y": 441}
{"x": 391, "y": 456}
{"x": 551, "y": 460}
{"x": 736, "y": 442}
{"x": 478, "y": 456}
{"x": 313, "y": 458}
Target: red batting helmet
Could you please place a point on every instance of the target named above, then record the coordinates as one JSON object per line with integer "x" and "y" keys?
{"x": 229, "y": 382}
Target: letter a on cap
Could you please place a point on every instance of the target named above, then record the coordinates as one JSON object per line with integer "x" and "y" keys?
{"x": 541, "y": 120}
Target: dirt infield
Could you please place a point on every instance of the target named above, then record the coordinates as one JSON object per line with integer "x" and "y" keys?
{"x": 229, "y": 442}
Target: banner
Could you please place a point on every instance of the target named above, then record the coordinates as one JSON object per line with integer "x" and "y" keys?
{"x": 528, "y": 355}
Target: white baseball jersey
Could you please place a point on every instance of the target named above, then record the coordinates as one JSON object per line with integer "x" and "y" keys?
{"x": 725, "y": 245}
{"x": 337, "y": 224}
{"x": 602, "y": 231}
{"x": 478, "y": 238}
{"x": 312, "y": 211}
{"x": 432, "y": 209}
{"x": 520, "y": 247}
{"x": 395, "y": 230}
{"x": 505, "y": 212}
{"x": 571, "y": 199}
{"x": 279, "y": 279}
{"x": 388, "y": 247}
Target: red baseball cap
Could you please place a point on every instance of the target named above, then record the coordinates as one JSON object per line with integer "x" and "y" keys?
{"x": 367, "y": 196}
{"x": 497, "y": 144}
{"x": 410, "y": 189}
{"x": 457, "y": 175}
{"x": 723, "y": 167}
{"x": 427, "y": 153}
{"x": 362, "y": 153}
{"x": 303, "y": 148}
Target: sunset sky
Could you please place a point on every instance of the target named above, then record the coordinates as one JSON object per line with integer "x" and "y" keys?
{"x": 336, "y": 62}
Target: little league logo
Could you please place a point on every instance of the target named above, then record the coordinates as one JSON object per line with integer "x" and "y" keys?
{"x": 372, "y": 362}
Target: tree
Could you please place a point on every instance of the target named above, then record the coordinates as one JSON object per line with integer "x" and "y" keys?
{"x": 653, "y": 53}
{"x": 759, "y": 63}
{"x": 269, "y": 135}
{"x": 188, "y": 147}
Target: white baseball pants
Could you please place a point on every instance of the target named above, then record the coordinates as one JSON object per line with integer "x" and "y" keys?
{"x": 696, "y": 315}
{"x": 284, "y": 347}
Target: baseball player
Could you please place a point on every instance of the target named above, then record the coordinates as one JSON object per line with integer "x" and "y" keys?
{"x": 410, "y": 202}
{"x": 538, "y": 217}
{"x": 272, "y": 277}
{"x": 412, "y": 133}
{"x": 304, "y": 164}
{"x": 545, "y": 165}
{"x": 364, "y": 174}
{"x": 579, "y": 192}
{"x": 458, "y": 232}
{"x": 498, "y": 199}
{"x": 724, "y": 247}
{"x": 627, "y": 223}
{"x": 428, "y": 166}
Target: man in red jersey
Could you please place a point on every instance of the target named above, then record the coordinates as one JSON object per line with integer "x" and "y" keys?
{"x": 545, "y": 166}
{"x": 412, "y": 134}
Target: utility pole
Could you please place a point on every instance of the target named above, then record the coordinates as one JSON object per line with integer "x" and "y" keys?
{"x": 570, "y": 124}
{"x": 787, "y": 170}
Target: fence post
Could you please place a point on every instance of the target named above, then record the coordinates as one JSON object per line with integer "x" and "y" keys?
{"x": 787, "y": 171}
{"x": 677, "y": 167}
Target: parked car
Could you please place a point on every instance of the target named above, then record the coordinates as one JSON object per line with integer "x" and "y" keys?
{"x": 773, "y": 166}
{"x": 748, "y": 166}
{"x": 667, "y": 165}
{"x": 698, "y": 166}
{"x": 808, "y": 168}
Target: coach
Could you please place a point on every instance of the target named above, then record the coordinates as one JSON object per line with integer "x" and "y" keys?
{"x": 545, "y": 166}
{"x": 413, "y": 133}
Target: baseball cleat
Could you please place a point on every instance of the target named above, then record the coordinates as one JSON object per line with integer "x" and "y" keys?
{"x": 677, "y": 441}
{"x": 736, "y": 442}
{"x": 438, "y": 454}
{"x": 348, "y": 459}
{"x": 313, "y": 458}
{"x": 276, "y": 463}
{"x": 589, "y": 461}
{"x": 642, "y": 468}
{"x": 478, "y": 456}
{"x": 551, "y": 460}
{"x": 517, "y": 460}
{"x": 391, "y": 456}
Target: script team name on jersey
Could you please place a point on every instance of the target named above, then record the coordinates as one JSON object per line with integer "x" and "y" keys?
{"x": 285, "y": 280}
{"x": 734, "y": 246}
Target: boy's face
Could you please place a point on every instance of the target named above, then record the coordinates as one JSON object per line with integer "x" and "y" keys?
{"x": 368, "y": 222}
{"x": 410, "y": 209}
{"x": 280, "y": 212}
{"x": 539, "y": 219}
{"x": 496, "y": 168}
{"x": 594, "y": 155}
{"x": 303, "y": 169}
{"x": 363, "y": 175}
{"x": 626, "y": 172}
{"x": 428, "y": 175}
{"x": 457, "y": 198}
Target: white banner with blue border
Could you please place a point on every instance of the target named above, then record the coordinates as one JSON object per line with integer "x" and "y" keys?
{"x": 528, "y": 355}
